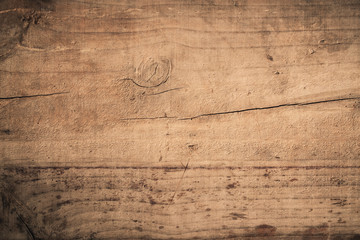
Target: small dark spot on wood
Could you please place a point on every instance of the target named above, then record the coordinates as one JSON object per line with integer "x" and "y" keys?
{"x": 337, "y": 181}
{"x": 161, "y": 227}
{"x": 269, "y": 57}
{"x": 356, "y": 105}
{"x": 293, "y": 179}
{"x": 208, "y": 209}
{"x": 63, "y": 203}
{"x": 230, "y": 186}
{"x": 139, "y": 229}
{"x": 265, "y": 230}
{"x": 152, "y": 201}
{"x": 340, "y": 220}
{"x": 110, "y": 185}
{"x": 193, "y": 147}
{"x": 58, "y": 196}
{"x": 235, "y": 216}
{"x": 340, "y": 202}
{"x": 5, "y": 131}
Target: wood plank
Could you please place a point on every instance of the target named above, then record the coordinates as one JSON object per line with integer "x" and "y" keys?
{"x": 179, "y": 119}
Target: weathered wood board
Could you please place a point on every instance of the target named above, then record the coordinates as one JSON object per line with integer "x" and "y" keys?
{"x": 172, "y": 119}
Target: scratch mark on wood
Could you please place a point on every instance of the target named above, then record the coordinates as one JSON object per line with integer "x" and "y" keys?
{"x": 32, "y": 96}
{"x": 182, "y": 177}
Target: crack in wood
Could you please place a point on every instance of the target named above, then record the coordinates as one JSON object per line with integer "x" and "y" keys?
{"x": 169, "y": 90}
{"x": 245, "y": 110}
{"x": 28, "y": 229}
{"x": 146, "y": 118}
{"x": 32, "y": 96}
{"x": 271, "y": 107}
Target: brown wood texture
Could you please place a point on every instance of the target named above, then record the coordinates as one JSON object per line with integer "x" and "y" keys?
{"x": 172, "y": 119}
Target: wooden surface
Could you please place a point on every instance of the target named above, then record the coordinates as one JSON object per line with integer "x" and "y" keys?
{"x": 174, "y": 119}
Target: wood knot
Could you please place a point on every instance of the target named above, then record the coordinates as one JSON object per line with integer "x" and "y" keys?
{"x": 153, "y": 72}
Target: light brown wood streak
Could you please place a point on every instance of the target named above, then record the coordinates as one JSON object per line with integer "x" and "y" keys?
{"x": 167, "y": 119}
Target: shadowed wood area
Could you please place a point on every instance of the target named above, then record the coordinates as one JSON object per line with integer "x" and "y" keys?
{"x": 172, "y": 119}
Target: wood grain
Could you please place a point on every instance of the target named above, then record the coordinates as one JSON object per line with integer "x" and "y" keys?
{"x": 175, "y": 119}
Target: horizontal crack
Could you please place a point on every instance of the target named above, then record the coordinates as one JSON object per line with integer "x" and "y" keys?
{"x": 32, "y": 96}
{"x": 201, "y": 115}
{"x": 158, "y": 93}
{"x": 269, "y": 107}
{"x": 243, "y": 110}
{"x": 146, "y": 118}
